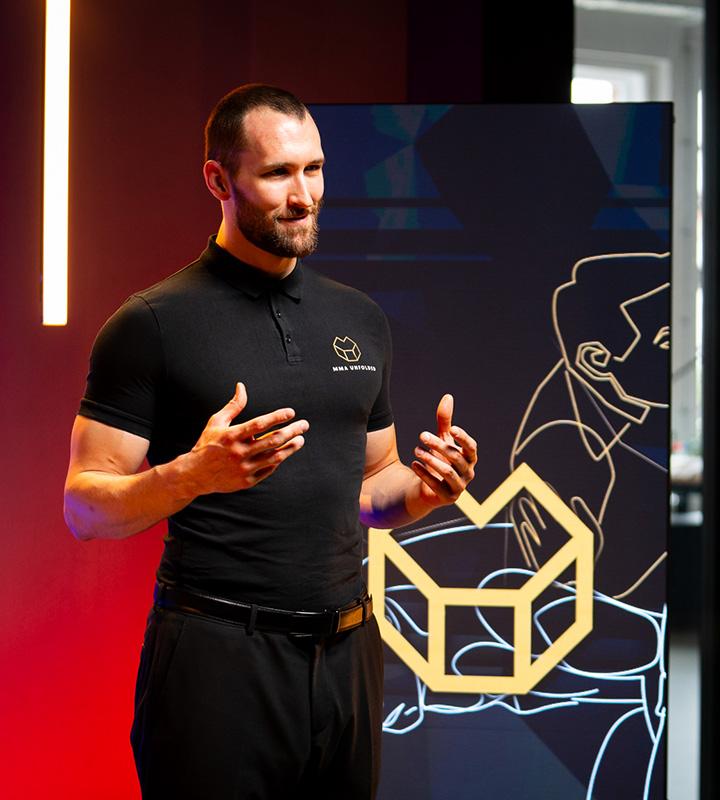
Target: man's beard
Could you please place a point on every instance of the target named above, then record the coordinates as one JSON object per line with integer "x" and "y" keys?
{"x": 270, "y": 235}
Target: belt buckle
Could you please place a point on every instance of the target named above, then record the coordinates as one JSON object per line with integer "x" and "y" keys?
{"x": 335, "y": 622}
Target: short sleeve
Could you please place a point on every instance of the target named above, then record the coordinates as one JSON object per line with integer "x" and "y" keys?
{"x": 126, "y": 367}
{"x": 381, "y": 415}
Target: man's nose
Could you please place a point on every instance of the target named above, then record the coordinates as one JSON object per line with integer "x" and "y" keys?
{"x": 300, "y": 193}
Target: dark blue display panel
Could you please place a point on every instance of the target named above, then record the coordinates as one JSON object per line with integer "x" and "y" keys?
{"x": 521, "y": 255}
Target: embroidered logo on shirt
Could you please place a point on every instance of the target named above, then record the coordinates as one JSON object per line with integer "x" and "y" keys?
{"x": 346, "y": 349}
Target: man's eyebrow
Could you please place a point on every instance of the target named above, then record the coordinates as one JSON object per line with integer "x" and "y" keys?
{"x": 285, "y": 164}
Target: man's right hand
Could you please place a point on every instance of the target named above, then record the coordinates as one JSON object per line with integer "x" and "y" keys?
{"x": 107, "y": 497}
{"x": 229, "y": 457}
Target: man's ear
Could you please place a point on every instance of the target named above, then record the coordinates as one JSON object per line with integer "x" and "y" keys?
{"x": 593, "y": 359}
{"x": 216, "y": 180}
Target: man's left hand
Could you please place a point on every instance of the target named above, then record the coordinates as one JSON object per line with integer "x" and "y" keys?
{"x": 446, "y": 460}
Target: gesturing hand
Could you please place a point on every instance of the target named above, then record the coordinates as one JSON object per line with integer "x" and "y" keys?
{"x": 230, "y": 457}
{"x": 446, "y": 461}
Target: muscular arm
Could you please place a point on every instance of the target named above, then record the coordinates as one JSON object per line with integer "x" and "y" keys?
{"x": 106, "y": 497}
{"x": 389, "y": 497}
{"x": 393, "y": 495}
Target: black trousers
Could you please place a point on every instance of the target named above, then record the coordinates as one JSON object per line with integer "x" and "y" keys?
{"x": 221, "y": 714}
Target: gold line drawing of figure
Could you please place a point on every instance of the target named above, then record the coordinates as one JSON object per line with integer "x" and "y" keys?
{"x": 595, "y": 431}
{"x": 596, "y": 424}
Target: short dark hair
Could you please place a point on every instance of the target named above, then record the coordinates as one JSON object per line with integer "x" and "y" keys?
{"x": 225, "y": 132}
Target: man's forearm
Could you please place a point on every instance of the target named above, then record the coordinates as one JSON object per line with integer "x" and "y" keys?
{"x": 392, "y": 498}
{"x": 106, "y": 498}
{"x": 107, "y": 506}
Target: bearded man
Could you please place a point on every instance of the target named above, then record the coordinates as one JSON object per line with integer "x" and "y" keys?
{"x": 261, "y": 669}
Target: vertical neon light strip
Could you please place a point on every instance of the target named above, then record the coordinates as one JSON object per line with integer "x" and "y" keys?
{"x": 55, "y": 161}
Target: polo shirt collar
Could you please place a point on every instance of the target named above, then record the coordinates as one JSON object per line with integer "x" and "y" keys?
{"x": 249, "y": 279}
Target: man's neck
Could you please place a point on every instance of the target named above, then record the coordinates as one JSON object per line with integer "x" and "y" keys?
{"x": 237, "y": 245}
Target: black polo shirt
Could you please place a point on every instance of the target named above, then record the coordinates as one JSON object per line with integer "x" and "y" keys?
{"x": 170, "y": 357}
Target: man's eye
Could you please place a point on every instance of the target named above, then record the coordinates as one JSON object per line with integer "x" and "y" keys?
{"x": 276, "y": 172}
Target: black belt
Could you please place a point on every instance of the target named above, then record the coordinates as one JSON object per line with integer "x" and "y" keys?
{"x": 277, "y": 620}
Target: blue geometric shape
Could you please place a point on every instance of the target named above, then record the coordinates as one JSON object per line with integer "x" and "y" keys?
{"x": 405, "y": 305}
{"x": 607, "y": 131}
{"x": 400, "y": 175}
{"x": 399, "y": 218}
{"x": 404, "y": 218}
{"x": 634, "y": 191}
{"x": 406, "y": 123}
{"x": 438, "y": 219}
{"x": 628, "y": 141}
{"x": 619, "y": 219}
{"x": 644, "y": 154}
{"x": 399, "y": 122}
{"x": 350, "y": 137}
{"x": 656, "y": 219}
{"x": 349, "y": 219}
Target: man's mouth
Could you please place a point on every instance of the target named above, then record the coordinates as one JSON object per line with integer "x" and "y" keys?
{"x": 295, "y": 218}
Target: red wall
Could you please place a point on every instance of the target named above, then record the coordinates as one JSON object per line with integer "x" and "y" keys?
{"x": 144, "y": 77}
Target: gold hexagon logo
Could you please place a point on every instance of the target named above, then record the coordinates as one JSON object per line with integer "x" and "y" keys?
{"x": 347, "y": 349}
{"x": 528, "y": 669}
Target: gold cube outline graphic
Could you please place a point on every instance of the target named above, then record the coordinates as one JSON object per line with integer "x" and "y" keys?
{"x": 527, "y": 673}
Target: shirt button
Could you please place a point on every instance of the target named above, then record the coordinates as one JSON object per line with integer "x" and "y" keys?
{"x": 288, "y": 338}
{"x": 278, "y": 313}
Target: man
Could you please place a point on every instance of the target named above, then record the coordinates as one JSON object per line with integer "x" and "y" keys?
{"x": 261, "y": 671}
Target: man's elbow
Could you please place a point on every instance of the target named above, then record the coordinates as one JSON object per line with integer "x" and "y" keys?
{"x": 368, "y": 520}
{"x": 78, "y": 530}
{"x": 77, "y": 517}
{"x": 370, "y": 515}
{"x": 379, "y": 512}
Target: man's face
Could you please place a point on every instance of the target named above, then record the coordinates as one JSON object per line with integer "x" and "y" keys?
{"x": 278, "y": 188}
